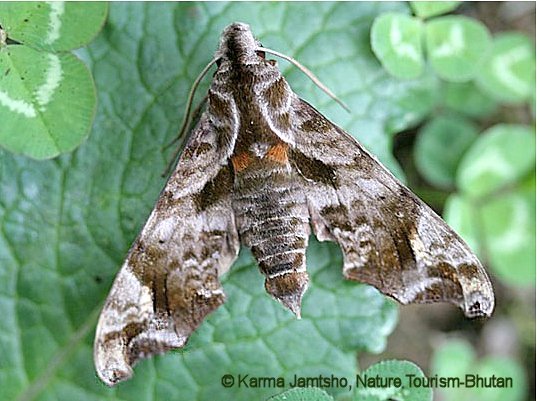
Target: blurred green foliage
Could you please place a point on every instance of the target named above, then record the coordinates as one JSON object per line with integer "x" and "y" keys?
{"x": 396, "y": 40}
{"x": 492, "y": 180}
{"x": 489, "y": 176}
{"x": 456, "y": 358}
{"x": 508, "y": 74}
{"x": 427, "y": 9}
{"x": 405, "y": 390}
{"x": 466, "y": 99}
{"x": 494, "y": 206}
{"x": 458, "y": 48}
{"x": 440, "y": 146}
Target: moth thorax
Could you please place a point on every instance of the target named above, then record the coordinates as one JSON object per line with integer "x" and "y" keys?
{"x": 260, "y": 149}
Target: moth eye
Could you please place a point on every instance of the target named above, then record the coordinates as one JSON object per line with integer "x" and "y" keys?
{"x": 260, "y": 54}
{"x": 218, "y": 62}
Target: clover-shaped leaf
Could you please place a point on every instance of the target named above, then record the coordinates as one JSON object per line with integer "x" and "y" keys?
{"x": 468, "y": 99}
{"x": 495, "y": 208}
{"x": 396, "y": 41}
{"x": 47, "y": 99}
{"x": 501, "y": 156}
{"x": 456, "y": 46}
{"x": 427, "y": 9}
{"x": 509, "y": 73}
{"x": 440, "y": 146}
{"x": 53, "y": 26}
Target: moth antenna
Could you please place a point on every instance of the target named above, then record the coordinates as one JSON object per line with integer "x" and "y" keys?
{"x": 186, "y": 120}
{"x": 187, "y": 115}
{"x": 196, "y": 113}
{"x": 308, "y": 73}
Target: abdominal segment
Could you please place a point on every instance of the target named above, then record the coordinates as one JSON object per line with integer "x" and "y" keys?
{"x": 273, "y": 221}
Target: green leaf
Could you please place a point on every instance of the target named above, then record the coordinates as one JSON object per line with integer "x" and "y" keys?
{"x": 509, "y": 226}
{"x": 427, "y": 9}
{"x": 461, "y": 214}
{"x": 495, "y": 211}
{"x": 67, "y": 224}
{"x": 505, "y": 368}
{"x": 47, "y": 101}
{"x": 456, "y": 358}
{"x": 396, "y": 41}
{"x": 440, "y": 146}
{"x": 501, "y": 230}
{"x": 456, "y": 46}
{"x": 406, "y": 372}
{"x": 453, "y": 359}
{"x": 302, "y": 394}
{"x": 466, "y": 98}
{"x": 54, "y": 26}
{"x": 509, "y": 73}
{"x": 502, "y": 155}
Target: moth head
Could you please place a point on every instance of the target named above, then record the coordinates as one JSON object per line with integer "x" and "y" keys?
{"x": 238, "y": 45}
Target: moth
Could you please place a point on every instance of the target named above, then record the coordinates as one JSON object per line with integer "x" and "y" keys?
{"x": 263, "y": 169}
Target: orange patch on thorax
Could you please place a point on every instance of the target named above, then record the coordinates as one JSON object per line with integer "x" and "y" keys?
{"x": 241, "y": 161}
{"x": 278, "y": 153}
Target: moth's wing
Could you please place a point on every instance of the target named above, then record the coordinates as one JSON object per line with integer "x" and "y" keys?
{"x": 169, "y": 281}
{"x": 389, "y": 237}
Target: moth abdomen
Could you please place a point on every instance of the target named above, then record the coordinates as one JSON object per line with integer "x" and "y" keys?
{"x": 273, "y": 221}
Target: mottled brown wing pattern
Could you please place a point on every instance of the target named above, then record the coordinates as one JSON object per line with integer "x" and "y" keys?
{"x": 390, "y": 238}
{"x": 169, "y": 281}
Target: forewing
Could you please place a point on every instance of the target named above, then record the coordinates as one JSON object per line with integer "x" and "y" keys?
{"x": 169, "y": 281}
{"x": 389, "y": 237}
